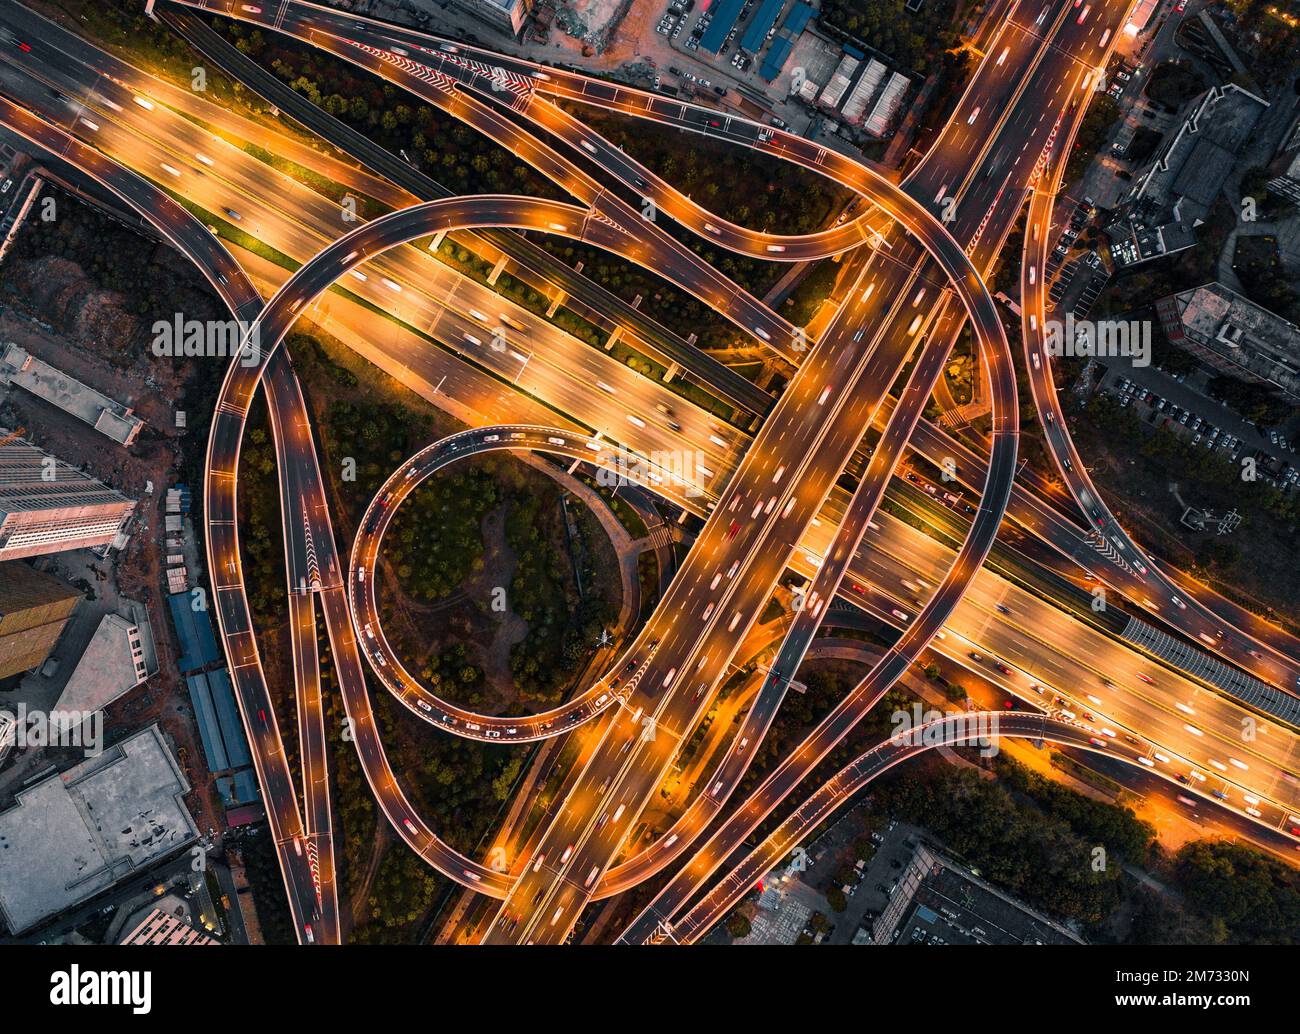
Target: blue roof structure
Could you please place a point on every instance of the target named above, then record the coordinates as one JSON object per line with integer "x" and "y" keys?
{"x": 220, "y": 728}
{"x": 209, "y": 729}
{"x": 724, "y": 20}
{"x": 777, "y": 55}
{"x": 239, "y": 789}
{"x": 232, "y": 727}
{"x": 246, "y": 791}
{"x": 798, "y": 18}
{"x": 194, "y": 629}
{"x": 759, "y": 25}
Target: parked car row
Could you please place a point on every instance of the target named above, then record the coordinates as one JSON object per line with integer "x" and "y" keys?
{"x": 1207, "y": 435}
{"x": 1123, "y": 75}
{"x": 1203, "y": 432}
{"x": 1280, "y": 442}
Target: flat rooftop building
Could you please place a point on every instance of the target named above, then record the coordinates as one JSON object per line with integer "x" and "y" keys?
{"x": 119, "y": 656}
{"x": 75, "y": 834}
{"x": 47, "y": 506}
{"x": 110, "y": 418}
{"x": 1234, "y": 336}
{"x": 1197, "y": 156}
{"x": 34, "y": 608}
{"x": 1174, "y": 191}
{"x": 938, "y": 901}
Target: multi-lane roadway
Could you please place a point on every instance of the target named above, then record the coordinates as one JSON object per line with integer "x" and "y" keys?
{"x": 917, "y": 257}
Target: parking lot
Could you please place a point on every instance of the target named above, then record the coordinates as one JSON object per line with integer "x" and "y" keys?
{"x": 730, "y": 76}
{"x": 1174, "y": 402}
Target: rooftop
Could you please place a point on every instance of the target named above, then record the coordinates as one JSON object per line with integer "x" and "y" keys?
{"x": 1175, "y": 190}
{"x": 217, "y": 714}
{"x": 76, "y": 833}
{"x": 119, "y": 656}
{"x": 160, "y": 928}
{"x": 756, "y": 31}
{"x": 940, "y": 902}
{"x": 107, "y": 416}
{"x": 1195, "y": 158}
{"x": 1247, "y": 336}
{"x": 725, "y": 14}
{"x": 194, "y": 630}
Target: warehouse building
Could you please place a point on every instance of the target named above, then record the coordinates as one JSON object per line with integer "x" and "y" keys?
{"x": 194, "y": 630}
{"x": 217, "y": 714}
